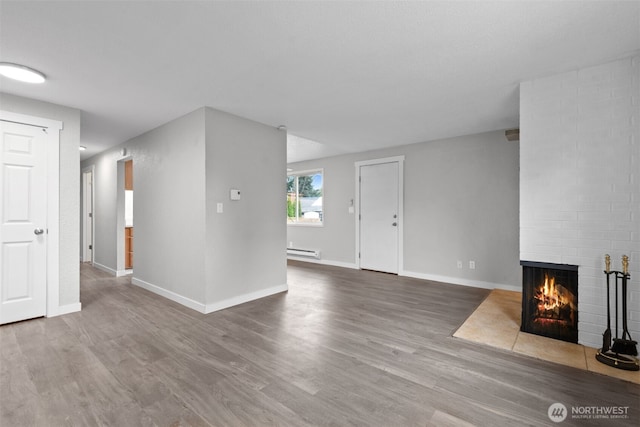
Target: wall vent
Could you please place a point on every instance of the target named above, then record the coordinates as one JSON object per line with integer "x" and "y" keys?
{"x": 512, "y": 134}
{"x": 307, "y": 253}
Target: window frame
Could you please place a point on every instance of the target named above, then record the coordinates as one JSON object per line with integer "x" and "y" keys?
{"x": 307, "y": 172}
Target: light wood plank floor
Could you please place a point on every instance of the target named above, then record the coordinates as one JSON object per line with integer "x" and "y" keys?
{"x": 342, "y": 347}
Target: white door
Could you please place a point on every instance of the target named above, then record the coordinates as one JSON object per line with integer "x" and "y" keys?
{"x": 87, "y": 230}
{"x": 379, "y": 217}
{"x": 23, "y": 222}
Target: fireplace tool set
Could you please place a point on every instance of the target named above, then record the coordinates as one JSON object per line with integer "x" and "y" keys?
{"x": 622, "y": 353}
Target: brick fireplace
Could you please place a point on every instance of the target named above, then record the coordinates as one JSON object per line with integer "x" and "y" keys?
{"x": 580, "y": 180}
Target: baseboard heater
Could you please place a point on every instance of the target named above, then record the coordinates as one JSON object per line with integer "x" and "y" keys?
{"x": 307, "y": 253}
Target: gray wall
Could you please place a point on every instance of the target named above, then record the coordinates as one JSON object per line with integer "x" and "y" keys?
{"x": 69, "y": 186}
{"x": 336, "y": 238}
{"x": 460, "y": 203}
{"x": 182, "y": 247}
{"x": 169, "y": 186}
{"x": 246, "y": 243}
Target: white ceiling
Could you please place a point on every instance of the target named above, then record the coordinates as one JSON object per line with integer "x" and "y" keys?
{"x": 349, "y": 76}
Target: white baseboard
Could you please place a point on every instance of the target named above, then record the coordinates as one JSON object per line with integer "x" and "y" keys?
{"x": 105, "y": 268}
{"x": 117, "y": 273}
{"x": 187, "y": 302}
{"x": 460, "y": 281}
{"x": 423, "y": 276}
{"x": 241, "y": 299}
{"x": 66, "y": 309}
{"x": 208, "y": 308}
{"x": 69, "y": 308}
{"x": 325, "y": 262}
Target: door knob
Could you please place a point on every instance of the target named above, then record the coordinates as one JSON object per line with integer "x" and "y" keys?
{"x": 394, "y": 224}
{"x": 38, "y": 231}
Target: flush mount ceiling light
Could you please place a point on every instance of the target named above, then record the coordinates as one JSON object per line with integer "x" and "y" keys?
{"x": 82, "y": 148}
{"x": 21, "y": 73}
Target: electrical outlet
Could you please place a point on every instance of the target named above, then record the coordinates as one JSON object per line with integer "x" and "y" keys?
{"x": 219, "y": 207}
{"x": 290, "y": 244}
{"x": 472, "y": 265}
{"x": 459, "y": 264}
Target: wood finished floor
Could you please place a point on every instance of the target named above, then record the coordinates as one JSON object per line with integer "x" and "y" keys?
{"x": 342, "y": 347}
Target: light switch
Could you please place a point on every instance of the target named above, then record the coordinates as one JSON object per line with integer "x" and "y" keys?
{"x": 351, "y": 210}
{"x": 234, "y": 194}
{"x": 219, "y": 208}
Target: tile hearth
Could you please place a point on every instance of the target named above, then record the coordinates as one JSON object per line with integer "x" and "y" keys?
{"x": 496, "y": 323}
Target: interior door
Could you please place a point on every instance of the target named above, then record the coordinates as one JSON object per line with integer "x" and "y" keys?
{"x": 88, "y": 216}
{"x": 379, "y": 210}
{"x": 23, "y": 222}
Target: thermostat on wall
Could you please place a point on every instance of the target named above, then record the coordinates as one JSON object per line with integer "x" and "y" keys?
{"x": 234, "y": 194}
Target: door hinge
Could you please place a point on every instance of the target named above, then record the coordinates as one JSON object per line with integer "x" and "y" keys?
{"x": 358, "y": 254}
{"x": 90, "y": 247}
{"x": 90, "y": 215}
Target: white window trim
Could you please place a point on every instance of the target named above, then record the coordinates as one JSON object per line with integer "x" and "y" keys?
{"x": 308, "y": 172}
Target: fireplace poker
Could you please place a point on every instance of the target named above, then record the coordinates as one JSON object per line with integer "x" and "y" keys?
{"x": 624, "y": 345}
{"x": 606, "y": 337}
{"x": 616, "y": 273}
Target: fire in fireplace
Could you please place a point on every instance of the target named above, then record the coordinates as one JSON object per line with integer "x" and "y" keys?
{"x": 550, "y": 300}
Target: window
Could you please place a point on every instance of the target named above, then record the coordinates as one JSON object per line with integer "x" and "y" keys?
{"x": 304, "y": 198}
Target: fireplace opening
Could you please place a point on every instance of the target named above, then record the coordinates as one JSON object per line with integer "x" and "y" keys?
{"x": 550, "y": 300}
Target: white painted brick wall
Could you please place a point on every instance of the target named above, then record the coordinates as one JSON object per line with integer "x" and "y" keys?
{"x": 580, "y": 181}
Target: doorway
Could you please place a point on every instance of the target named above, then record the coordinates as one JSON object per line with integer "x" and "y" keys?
{"x": 128, "y": 214}
{"x": 124, "y": 217}
{"x": 87, "y": 215}
{"x": 29, "y": 217}
{"x": 379, "y": 196}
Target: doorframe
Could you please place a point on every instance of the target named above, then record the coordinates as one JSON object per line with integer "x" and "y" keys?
{"x": 400, "y": 161}
{"x": 91, "y": 170}
{"x": 120, "y": 222}
{"x": 53, "y": 202}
